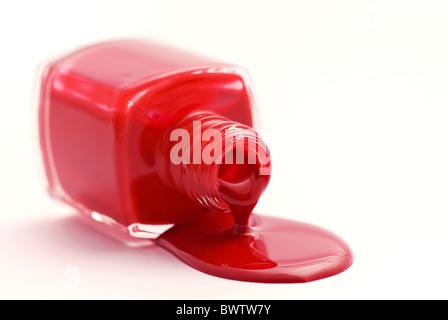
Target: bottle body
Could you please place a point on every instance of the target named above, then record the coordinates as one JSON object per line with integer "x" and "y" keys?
{"x": 104, "y": 118}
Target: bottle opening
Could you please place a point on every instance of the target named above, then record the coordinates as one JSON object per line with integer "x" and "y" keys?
{"x": 217, "y": 162}
{"x": 241, "y": 185}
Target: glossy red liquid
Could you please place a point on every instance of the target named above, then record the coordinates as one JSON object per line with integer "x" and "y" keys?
{"x": 106, "y": 114}
{"x": 241, "y": 246}
{"x": 274, "y": 250}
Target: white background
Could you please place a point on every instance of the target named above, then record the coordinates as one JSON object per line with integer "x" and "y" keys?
{"x": 352, "y": 97}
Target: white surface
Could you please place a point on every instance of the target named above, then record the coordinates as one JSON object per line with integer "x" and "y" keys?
{"x": 353, "y": 98}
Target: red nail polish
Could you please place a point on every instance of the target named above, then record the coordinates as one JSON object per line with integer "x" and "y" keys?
{"x": 148, "y": 138}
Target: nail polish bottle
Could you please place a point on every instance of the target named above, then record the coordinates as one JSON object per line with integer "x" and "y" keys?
{"x": 107, "y": 117}
{"x": 158, "y": 143}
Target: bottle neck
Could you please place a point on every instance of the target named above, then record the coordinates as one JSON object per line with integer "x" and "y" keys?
{"x": 203, "y": 147}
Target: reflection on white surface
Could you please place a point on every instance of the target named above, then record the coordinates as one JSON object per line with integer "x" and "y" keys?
{"x": 64, "y": 257}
